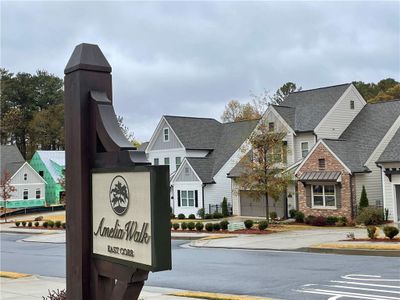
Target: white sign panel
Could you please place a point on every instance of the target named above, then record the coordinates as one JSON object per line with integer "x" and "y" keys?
{"x": 122, "y": 216}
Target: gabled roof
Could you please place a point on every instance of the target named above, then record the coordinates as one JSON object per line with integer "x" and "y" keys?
{"x": 11, "y": 159}
{"x": 229, "y": 137}
{"x": 365, "y": 132}
{"x": 49, "y": 158}
{"x": 195, "y": 133}
{"x": 304, "y": 110}
{"x": 392, "y": 150}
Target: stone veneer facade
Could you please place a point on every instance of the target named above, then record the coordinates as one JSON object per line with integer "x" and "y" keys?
{"x": 347, "y": 190}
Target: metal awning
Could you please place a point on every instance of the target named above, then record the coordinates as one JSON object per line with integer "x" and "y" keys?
{"x": 320, "y": 176}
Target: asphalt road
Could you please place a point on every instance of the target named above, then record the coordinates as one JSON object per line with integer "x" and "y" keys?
{"x": 283, "y": 275}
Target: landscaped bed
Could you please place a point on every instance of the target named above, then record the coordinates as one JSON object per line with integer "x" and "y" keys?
{"x": 376, "y": 240}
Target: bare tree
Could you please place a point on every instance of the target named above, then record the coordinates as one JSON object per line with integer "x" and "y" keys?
{"x": 6, "y": 190}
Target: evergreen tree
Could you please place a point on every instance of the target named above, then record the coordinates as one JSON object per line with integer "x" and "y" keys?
{"x": 364, "y": 198}
{"x": 224, "y": 207}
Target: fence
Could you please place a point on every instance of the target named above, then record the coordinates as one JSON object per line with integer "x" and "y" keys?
{"x": 212, "y": 208}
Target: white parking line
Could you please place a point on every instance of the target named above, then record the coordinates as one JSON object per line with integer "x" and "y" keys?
{"x": 356, "y": 286}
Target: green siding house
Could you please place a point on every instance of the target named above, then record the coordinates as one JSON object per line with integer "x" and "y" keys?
{"x": 50, "y": 165}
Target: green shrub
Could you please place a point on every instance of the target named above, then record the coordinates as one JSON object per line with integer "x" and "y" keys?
{"x": 370, "y": 216}
{"x": 262, "y": 225}
{"x": 175, "y": 226}
{"x": 216, "y": 226}
{"x": 172, "y": 216}
{"x": 36, "y": 224}
{"x": 309, "y": 219}
{"x": 23, "y": 223}
{"x": 209, "y": 227}
{"x": 183, "y": 225}
{"x": 191, "y": 225}
{"x": 192, "y": 217}
{"x": 273, "y": 215}
{"x": 181, "y": 216}
{"x": 218, "y": 215}
{"x": 51, "y": 224}
{"x": 64, "y": 225}
{"x": 363, "y": 199}
{"x": 45, "y": 224}
{"x": 199, "y": 226}
{"x": 372, "y": 232}
{"x": 224, "y": 224}
{"x": 390, "y": 231}
{"x": 29, "y": 224}
{"x": 17, "y": 223}
{"x": 201, "y": 213}
{"x": 40, "y": 218}
{"x": 248, "y": 224}
{"x": 299, "y": 216}
{"x": 342, "y": 221}
{"x": 331, "y": 220}
{"x": 57, "y": 224}
{"x": 224, "y": 207}
{"x": 292, "y": 213}
{"x": 208, "y": 216}
{"x": 319, "y": 221}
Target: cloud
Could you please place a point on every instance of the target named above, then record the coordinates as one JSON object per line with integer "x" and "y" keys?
{"x": 191, "y": 58}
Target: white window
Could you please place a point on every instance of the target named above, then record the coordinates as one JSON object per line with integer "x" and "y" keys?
{"x": 37, "y": 193}
{"x": 187, "y": 198}
{"x": 351, "y": 104}
{"x": 304, "y": 149}
{"x": 166, "y": 161}
{"x": 156, "y": 161}
{"x": 166, "y": 134}
{"x": 178, "y": 162}
{"x": 323, "y": 196}
{"x": 25, "y": 194}
{"x": 187, "y": 171}
{"x": 271, "y": 126}
{"x": 25, "y": 176}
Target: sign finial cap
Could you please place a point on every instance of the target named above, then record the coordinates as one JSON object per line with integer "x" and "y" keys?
{"x": 87, "y": 57}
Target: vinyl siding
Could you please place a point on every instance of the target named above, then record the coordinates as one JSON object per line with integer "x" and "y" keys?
{"x": 187, "y": 186}
{"x": 298, "y": 139}
{"x": 184, "y": 176}
{"x": 159, "y": 143}
{"x": 339, "y": 118}
{"x": 388, "y": 190}
{"x": 270, "y": 116}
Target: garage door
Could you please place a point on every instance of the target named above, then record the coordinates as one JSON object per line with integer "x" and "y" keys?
{"x": 256, "y": 208}
{"x": 250, "y": 206}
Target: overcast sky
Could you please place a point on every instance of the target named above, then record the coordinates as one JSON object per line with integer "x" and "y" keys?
{"x": 187, "y": 58}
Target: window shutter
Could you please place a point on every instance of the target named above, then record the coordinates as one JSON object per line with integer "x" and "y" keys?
{"x": 196, "y": 198}
{"x": 308, "y": 195}
{"x": 179, "y": 198}
{"x": 338, "y": 196}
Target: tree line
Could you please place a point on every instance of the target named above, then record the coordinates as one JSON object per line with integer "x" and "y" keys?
{"x": 384, "y": 90}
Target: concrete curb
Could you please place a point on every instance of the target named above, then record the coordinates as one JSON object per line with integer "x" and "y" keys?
{"x": 388, "y": 253}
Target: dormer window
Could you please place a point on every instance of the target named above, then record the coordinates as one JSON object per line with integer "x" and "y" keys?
{"x": 166, "y": 134}
{"x": 351, "y": 104}
{"x": 271, "y": 126}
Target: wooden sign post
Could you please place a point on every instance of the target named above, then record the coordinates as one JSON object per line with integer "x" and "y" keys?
{"x": 117, "y": 209}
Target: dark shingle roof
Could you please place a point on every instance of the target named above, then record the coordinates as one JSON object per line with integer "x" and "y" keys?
{"x": 10, "y": 159}
{"x": 364, "y": 134}
{"x": 143, "y": 146}
{"x": 304, "y": 110}
{"x": 392, "y": 150}
{"x": 195, "y": 133}
{"x": 224, "y": 140}
{"x": 240, "y": 167}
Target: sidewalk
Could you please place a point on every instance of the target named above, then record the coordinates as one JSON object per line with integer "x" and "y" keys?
{"x": 35, "y": 287}
{"x": 312, "y": 240}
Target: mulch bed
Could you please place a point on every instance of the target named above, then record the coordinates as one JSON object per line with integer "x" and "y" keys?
{"x": 241, "y": 231}
{"x": 378, "y": 240}
{"x": 39, "y": 227}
